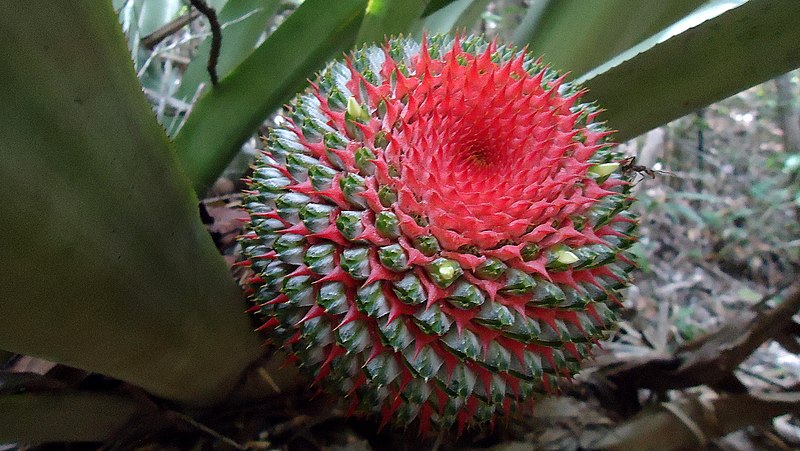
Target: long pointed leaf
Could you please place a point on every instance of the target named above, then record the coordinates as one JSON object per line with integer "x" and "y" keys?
{"x": 105, "y": 263}
{"x": 70, "y": 416}
{"x": 705, "y": 58}
{"x": 458, "y": 15}
{"x": 388, "y": 17}
{"x": 227, "y": 115}
{"x": 155, "y": 13}
{"x": 435, "y": 5}
{"x": 576, "y": 36}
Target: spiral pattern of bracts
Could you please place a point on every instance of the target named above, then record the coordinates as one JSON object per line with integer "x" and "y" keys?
{"x": 438, "y": 231}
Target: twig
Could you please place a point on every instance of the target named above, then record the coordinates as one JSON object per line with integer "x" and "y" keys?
{"x": 688, "y": 423}
{"x": 764, "y": 379}
{"x": 216, "y": 37}
{"x": 710, "y": 360}
{"x": 209, "y": 431}
{"x": 171, "y": 101}
{"x": 268, "y": 379}
{"x": 724, "y": 352}
{"x": 188, "y": 111}
{"x": 154, "y": 38}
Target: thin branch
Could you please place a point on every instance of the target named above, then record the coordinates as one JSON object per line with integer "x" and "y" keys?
{"x": 216, "y": 37}
{"x": 691, "y": 422}
{"x": 208, "y": 430}
{"x": 154, "y": 38}
{"x": 710, "y": 360}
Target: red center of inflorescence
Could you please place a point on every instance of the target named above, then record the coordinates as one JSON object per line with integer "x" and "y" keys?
{"x": 486, "y": 152}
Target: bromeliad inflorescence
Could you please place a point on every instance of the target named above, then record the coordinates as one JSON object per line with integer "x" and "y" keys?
{"x": 439, "y": 230}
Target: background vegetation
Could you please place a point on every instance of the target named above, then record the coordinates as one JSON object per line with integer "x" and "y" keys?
{"x": 121, "y": 323}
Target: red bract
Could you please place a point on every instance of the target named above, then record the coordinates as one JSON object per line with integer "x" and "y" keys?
{"x": 438, "y": 230}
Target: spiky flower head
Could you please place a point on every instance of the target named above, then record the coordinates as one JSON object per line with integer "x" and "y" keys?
{"x": 438, "y": 230}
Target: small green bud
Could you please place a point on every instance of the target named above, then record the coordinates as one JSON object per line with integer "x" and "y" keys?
{"x": 387, "y": 224}
{"x": 593, "y": 256}
{"x": 333, "y": 298}
{"x": 290, "y": 248}
{"x": 548, "y": 293}
{"x": 334, "y": 140}
{"x": 464, "y": 343}
{"x": 603, "y": 170}
{"x": 518, "y": 282}
{"x": 444, "y": 272}
{"x": 316, "y": 217}
{"x": 530, "y": 251}
{"x": 466, "y": 296}
{"x": 410, "y": 290}
{"x": 491, "y": 269}
{"x": 566, "y": 257}
{"x": 560, "y": 258}
{"x": 270, "y": 180}
{"x": 363, "y": 157}
{"x": 352, "y": 186}
{"x": 297, "y": 164}
{"x": 495, "y": 315}
{"x": 321, "y": 176}
{"x": 432, "y": 320}
{"x": 349, "y": 224}
{"x": 319, "y": 258}
{"x": 353, "y": 336}
{"x": 396, "y": 334}
{"x": 387, "y": 196}
{"x": 370, "y": 300}
{"x": 393, "y": 257}
{"x": 274, "y": 274}
{"x": 299, "y": 290}
{"x": 381, "y": 141}
{"x": 427, "y": 244}
{"x": 289, "y": 205}
{"x": 355, "y": 261}
{"x": 355, "y": 112}
{"x": 382, "y": 369}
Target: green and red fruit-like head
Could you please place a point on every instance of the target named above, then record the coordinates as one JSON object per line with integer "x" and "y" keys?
{"x": 438, "y": 230}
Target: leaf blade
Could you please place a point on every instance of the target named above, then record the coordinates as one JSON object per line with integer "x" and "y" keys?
{"x": 453, "y": 16}
{"x": 389, "y": 17}
{"x": 574, "y": 37}
{"x": 104, "y": 222}
{"x": 224, "y": 117}
{"x": 666, "y": 77}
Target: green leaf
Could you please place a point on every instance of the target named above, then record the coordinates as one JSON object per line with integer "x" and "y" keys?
{"x": 231, "y": 112}
{"x": 721, "y": 49}
{"x": 152, "y": 14}
{"x": 70, "y": 416}
{"x": 575, "y": 36}
{"x": 243, "y": 22}
{"x": 389, "y": 17}
{"x": 458, "y": 15}
{"x": 435, "y": 5}
{"x": 106, "y": 264}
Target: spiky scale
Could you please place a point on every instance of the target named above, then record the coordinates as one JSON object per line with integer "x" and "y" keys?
{"x": 350, "y": 224}
{"x": 355, "y": 261}
{"x": 440, "y": 231}
{"x": 410, "y": 290}
{"x": 393, "y": 257}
